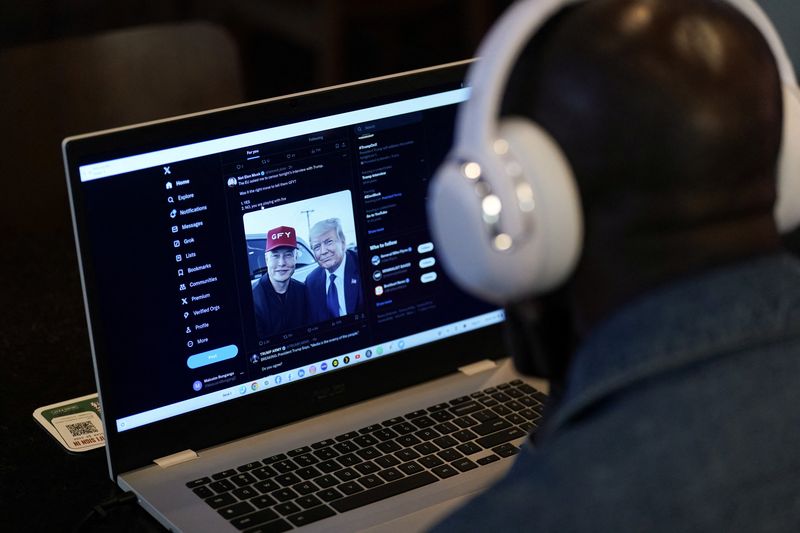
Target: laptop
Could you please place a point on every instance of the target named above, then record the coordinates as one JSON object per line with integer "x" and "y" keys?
{"x": 239, "y": 391}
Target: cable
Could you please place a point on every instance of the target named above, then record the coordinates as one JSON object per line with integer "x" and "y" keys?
{"x": 101, "y": 509}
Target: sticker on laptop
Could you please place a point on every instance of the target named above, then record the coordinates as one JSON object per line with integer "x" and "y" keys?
{"x": 74, "y": 423}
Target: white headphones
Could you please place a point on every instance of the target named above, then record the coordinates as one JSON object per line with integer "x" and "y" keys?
{"x": 509, "y": 181}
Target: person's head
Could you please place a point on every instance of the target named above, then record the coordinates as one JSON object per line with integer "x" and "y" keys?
{"x": 281, "y": 254}
{"x": 327, "y": 243}
{"x": 669, "y": 113}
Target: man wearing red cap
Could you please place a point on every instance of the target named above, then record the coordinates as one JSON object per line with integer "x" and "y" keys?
{"x": 279, "y": 301}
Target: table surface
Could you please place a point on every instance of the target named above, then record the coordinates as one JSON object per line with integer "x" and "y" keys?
{"x": 45, "y": 352}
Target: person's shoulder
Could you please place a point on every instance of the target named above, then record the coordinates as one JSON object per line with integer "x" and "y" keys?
{"x": 315, "y": 276}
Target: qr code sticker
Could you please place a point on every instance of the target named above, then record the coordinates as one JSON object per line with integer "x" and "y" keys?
{"x": 80, "y": 431}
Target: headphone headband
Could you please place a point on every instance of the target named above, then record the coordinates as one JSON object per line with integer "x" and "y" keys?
{"x": 498, "y": 54}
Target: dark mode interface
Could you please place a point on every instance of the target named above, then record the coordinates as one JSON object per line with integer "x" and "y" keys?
{"x": 180, "y": 254}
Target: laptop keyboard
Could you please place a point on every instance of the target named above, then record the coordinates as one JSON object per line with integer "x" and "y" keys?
{"x": 375, "y": 462}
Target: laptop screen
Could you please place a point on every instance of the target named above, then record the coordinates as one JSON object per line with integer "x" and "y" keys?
{"x": 253, "y": 258}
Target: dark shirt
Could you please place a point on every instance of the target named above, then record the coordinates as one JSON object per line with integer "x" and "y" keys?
{"x": 680, "y": 414}
{"x": 276, "y": 313}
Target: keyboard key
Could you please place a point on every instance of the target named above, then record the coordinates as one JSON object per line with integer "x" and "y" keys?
{"x": 423, "y": 422}
{"x": 501, "y": 437}
{"x": 469, "y": 448}
{"x": 365, "y": 440}
{"x": 224, "y": 474}
{"x": 329, "y": 495}
{"x": 384, "y": 491}
{"x": 431, "y": 461}
{"x": 223, "y": 485}
{"x": 369, "y": 429}
{"x": 286, "y": 508}
{"x": 326, "y": 453}
{"x": 263, "y": 501}
{"x": 464, "y": 464}
{"x": 203, "y": 491}
{"x": 308, "y": 501}
{"x": 517, "y": 382}
{"x": 514, "y": 393}
{"x": 220, "y": 500}
{"x": 490, "y": 390}
{"x": 245, "y": 493}
{"x": 445, "y": 471}
{"x": 464, "y": 435}
{"x": 516, "y": 419}
{"x": 504, "y": 386}
{"x": 488, "y": 460}
{"x": 506, "y": 450}
{"x": 450, "y": 455}
{"x": 284, "y": 494}
{"x": 387, "y": 461}
{"x": 393, "y": 421}
{"x": 371, "y": 481}
{"x": 404, "y": 428}
{"x": 242, "y": 480}
{"x": 367, "y": 468}
{"x": 268, "y": 485}
{"x": 368, "y": 453}
{"x": 410, "y": 468}
{"x": 351, "y": 487}
{"x": 348, "y": 474}
{"x": 501, "y": 397}
{"x": 308, "y": 472}
{"x": 306, "y": 487}
{"x": 346, "y": 436}
{"x": 407, "y": 455}
{"x": 326, "y": 481}
{"x": 299, "y": 451}
{"x": 323, "y": 444}
{"x": 491, "y": 426}
{"x": 389, "y": 446}
{"x": 198, "y": 482}
{"x": 445, "y": 428}
{"x": 465, "y": 422}
{"x": 249, "y": 466}
{"x": 426, "y": 448}
{"x": 527, "y": 401}
{"x": 349, "y": 460}
{"x": 460, "y": 400}
{"x": 445, "y": 442}
{"x": 427, "y": 434}
{"x": 329, "y": 466}
{"x": 305, "y": 460}
{"x": 514, "y": 405}
{"x": 390, "y": 474}
{"x": 274, "y": 458}
{"x": 254, "y": 519}
{"x": 310, "y": 515}
{"x": 489, "y": 402}
{"x": 527, "y": 389}
{"x": 282, "y": 467}
{"x": 287, "y": 479}
{"x": 276, "y": 526}
{"x": 384, "y": 434}
{"x": 438, "y": 407}
{"x": 265, "y": 472}
{"x": 442, "y": 416}
{"x": 407, "y": 440}
{"x": 466, "y": 408}
{"x": 237, "y": 509}
{"x": 346, "y": 447}
{"x": 486, "y": 414}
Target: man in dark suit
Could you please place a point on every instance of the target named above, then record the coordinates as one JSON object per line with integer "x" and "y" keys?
{"x": 334, "y": 287}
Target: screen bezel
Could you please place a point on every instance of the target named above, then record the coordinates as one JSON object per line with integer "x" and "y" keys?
{"x": 230, "y": 420}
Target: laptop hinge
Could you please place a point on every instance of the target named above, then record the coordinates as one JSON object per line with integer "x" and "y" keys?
{"x": 176, "y": 458}
{"x": 476, "y": 368}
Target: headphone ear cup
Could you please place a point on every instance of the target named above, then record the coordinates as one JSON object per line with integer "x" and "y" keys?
{"x": 552, "y": 249}
{"x": 787, "y": 208}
